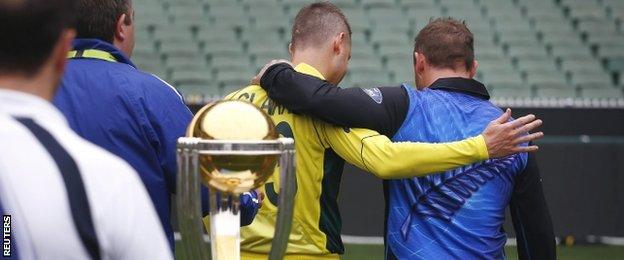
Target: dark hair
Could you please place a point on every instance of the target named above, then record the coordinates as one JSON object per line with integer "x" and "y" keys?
{"x": 446, "y": 42}
{"x": 98, "y": 18}
{"x": 30, "y": 30}
{"x": 316, "y": 23}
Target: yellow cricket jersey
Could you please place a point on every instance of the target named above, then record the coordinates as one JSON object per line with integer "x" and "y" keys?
{"x": 320, "y": 147}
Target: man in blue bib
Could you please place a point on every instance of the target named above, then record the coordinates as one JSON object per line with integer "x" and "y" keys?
{"x": 458, "y": 214}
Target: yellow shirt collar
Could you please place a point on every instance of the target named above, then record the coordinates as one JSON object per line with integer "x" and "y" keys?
{"x": 309, "y": 70}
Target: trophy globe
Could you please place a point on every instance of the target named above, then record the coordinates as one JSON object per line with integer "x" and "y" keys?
{"x": 240, "y": 121}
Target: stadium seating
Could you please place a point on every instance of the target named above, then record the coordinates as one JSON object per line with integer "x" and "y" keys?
{"x": 527, "y": 49}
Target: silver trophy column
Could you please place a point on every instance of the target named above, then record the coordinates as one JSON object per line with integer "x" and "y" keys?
{"x": 188, "y": 196}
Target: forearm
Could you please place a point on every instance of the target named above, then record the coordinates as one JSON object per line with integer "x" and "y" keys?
{"x": 389, "y": 160}
{"x": 530, "y": 215}
{"x": 534, "y": 231}
{"x": 305, "y": 94}
{"x": 289, "y": 88}
{"x": 383, "y": 109}
{"x": 377, "y": 154}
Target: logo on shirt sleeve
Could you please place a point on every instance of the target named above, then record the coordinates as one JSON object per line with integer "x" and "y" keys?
{"x": 374, "y": 93}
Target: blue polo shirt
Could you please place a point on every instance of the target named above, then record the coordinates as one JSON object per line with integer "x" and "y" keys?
{"x": 457, "y": 214}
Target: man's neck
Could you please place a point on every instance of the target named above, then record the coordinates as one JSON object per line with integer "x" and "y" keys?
{"x": 445, "y": 73}
{"x": 36, "y": 85}
{"x": 314, "y": 59}
{"x": 120, "y": 46}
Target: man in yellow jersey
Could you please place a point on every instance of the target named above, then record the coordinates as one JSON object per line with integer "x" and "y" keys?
{"x": 321, "y": 47}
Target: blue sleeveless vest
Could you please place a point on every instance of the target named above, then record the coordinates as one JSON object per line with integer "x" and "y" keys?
{"x": 458, "y": 214}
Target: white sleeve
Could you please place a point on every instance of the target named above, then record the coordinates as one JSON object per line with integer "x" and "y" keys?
{"x": 132, "y": 228}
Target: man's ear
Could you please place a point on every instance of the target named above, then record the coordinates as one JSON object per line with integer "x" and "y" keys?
{"x": 420, "y": 63}
{"x": 290, "y": 49}
{"x": 338, "y": 42}
{"x": 120, "y": 28}
{"x": 63, "y": 46}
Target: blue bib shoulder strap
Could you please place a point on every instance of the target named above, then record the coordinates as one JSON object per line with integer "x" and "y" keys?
{"x": 91, "y": 54}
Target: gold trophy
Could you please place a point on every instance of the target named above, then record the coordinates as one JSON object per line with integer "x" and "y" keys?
{"x": 232, "y": 147}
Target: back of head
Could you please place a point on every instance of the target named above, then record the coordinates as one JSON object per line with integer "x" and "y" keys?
{"x": 31, "y": 29}
{"x": 97, "y": 19}
{"x": 447, "y": 44}
{"x": 316, "y": 24}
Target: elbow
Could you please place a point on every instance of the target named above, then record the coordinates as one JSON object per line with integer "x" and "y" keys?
{"x": 383, "y": 165}
{"x": 305, "y": 103}
{"x": 397, "y": 170}
{"x": 385, "y": 171}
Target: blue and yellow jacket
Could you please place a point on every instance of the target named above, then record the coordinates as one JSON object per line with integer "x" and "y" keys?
{"x": 130, "y": 113}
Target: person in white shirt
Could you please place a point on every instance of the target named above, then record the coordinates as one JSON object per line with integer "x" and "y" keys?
{"x": 67, "y": 198}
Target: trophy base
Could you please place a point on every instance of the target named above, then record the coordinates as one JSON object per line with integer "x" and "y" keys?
{"x": 224, "y": 246}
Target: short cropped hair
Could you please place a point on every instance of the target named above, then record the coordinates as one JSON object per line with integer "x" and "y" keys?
{"x": 446, "y": 43}
{"x": 316, "y": 23}
{"x": 97, "y": 19}
{"x": 30, "y": 30}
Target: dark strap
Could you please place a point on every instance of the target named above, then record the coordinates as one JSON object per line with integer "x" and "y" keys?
{"x": 91, "y": 54}
{"x": 78, "y": 202}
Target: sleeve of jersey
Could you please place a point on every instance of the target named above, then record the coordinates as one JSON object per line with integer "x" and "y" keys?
{"x": 377, "y": 154}
{"x": 380, "y": 108}
{"x": 530, "y": 215}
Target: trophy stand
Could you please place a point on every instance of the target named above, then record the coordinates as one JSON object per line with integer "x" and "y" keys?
{"x": 224, "y": 225}
{"x": 224, "y": 201}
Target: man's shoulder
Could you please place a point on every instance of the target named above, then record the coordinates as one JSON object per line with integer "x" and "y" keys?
{"x": 102, "y": 172}
{"x": 250, "y": 93}
{"x": 148, "y": 83}
{"x": 258, "y": 96}
{"x": 151, "y": 91}
{"x": 115, "y": 75}
{"x": 93, "y": 162}
{"x": 93, "y": 159}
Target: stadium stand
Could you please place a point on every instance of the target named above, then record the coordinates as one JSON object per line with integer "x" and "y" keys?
{"x": 530, "y": 51}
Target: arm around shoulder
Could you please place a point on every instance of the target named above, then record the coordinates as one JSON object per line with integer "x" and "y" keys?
{"x": 385, "y": 159}
{"x": 390, "y": 160}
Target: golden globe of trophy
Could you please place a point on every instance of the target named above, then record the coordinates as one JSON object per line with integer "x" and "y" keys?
{"x": 231, "y": 147}
{"x": 234, "y": 174}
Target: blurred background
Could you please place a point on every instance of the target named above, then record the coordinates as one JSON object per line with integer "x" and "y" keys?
{"x": 561, "y": 60}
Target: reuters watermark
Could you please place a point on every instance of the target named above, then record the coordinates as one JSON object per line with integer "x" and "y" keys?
{"x": 6, "y": 235}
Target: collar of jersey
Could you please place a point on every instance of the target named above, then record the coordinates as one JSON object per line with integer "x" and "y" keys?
{"x": 464, "y": 85}
{"x": 97, "y": 44}
{"x": 309, "y": 70}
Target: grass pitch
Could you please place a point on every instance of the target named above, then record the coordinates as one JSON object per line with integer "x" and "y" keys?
{"x": 360, "y": 252}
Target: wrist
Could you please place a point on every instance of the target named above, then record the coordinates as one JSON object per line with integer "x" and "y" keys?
{"x": 482, "y": 151}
